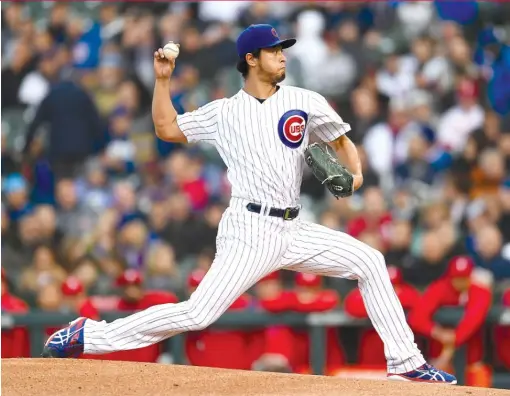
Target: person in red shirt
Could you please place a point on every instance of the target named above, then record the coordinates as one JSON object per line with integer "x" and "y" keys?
{"x": 375, "y": 217}
{"x": 309, "y": 296}
{"x": 135, "y": 298}
{"x": 15, "y": 341}
{"x": 76, "y": 300}
{"x": 272, "y": 347}
{"x": 222, "y": 348}
{"x": 464, "y": 287}
{"x": 371, "y": 348}
{"x": 502, "y": 336}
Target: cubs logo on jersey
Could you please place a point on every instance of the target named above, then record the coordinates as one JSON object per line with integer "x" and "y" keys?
{"x": 291, "y": 128}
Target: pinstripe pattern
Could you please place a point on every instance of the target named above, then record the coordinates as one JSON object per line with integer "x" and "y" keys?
{"x": 317, "y": 249}
{"x": 241, "y": 262}
{"x": 244, "y": 131}
{"x": 263, "y": 169}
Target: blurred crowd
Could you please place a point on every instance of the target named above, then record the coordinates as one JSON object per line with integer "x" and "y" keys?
{"x": 88, "y": 191}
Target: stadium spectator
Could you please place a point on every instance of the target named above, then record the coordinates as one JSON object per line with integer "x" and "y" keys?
{"x": 272, "y": 348}
{"x": 418, "y": 167}
{"x": 338, "y": 72}
{"x": 73, "y": 219}
{"x": 119, "y": 154}
{"x": 387, "y": 143}
{"x": 374, "y": 217}
{"x": 94, "y": 188}
{"x": 15, "y": 341}
{"x": 49, "y": 298}
{"x": 504, "y": 221}
{"x": 15, "y": 189}
{"x": 502, "y": 336}
{"x": 431, "y": 70}
{"x": 75, "y": 299}
{"x": 86, "y": 271}
{"x": 464, "y": 286}
{"x": 36, "y": 85}
{"x": 67, "y": 107}
{"x": 488, "y": 242}
{"x": 162, "y": 272}
{"x": 431, "y": 262}
{"x": 400, "y": 237}
{"x": 394, "y": 81}
{"x": 493, "y": 56}
{"x": 43, "y": 271}
{"x": 489, "y": 173}
{"x": 462, "y": 119}
{"x": 366, "y": 113}
{"x": 20, "y": 65}
{"x": 310, "y": 26}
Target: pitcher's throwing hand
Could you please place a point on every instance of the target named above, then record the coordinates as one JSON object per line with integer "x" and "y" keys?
{"x": 163, "y": 67}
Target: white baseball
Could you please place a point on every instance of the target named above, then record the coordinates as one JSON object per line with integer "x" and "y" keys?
{"x": 171, "y": 50}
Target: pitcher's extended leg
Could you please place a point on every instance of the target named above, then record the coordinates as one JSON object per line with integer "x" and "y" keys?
{"x": 323, "y": 251}
{"x": 236, "y": 269}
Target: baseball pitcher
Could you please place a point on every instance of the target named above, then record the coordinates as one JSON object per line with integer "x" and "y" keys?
{"x": 262, "y": 133}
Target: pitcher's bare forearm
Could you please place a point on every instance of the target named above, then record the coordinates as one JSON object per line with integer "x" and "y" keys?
{"x": 347, "y": 151}
{"x": 164, "y": 114}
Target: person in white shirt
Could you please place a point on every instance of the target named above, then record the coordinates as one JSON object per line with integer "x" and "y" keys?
{"x": 387, "y": 143}
{"x": 460, "y": 121}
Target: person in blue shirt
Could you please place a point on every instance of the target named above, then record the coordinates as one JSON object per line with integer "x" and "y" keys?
{"x": 488, "y": 252}
{"x": 493, "y": 56}
{"x": 119, "y": 154}
{"x": 15, "y": 189}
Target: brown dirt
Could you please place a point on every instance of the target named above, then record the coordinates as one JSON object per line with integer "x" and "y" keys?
{"x": 96, "y": 377}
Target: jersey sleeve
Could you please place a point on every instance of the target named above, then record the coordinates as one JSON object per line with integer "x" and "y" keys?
{"x": 325, "y": 123}
{"x": 200, "y": 124}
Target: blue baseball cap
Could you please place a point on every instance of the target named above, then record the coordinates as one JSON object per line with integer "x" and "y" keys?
{"x": 256, "y": 37}
{"x": 14, "y": 183}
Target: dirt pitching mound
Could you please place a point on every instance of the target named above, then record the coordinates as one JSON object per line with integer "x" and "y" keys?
{"x": 101, "y": 377}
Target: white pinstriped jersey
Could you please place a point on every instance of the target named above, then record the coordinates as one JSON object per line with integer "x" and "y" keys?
{"x": 262, "y": 144}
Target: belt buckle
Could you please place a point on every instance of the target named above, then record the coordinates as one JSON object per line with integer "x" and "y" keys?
{"x": 287, "y": 213}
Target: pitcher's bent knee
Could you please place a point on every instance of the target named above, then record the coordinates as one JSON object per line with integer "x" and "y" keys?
{"x": 375, "y": 262}
{"x": 379, "y": 258}
{"x": 200, "y": 318}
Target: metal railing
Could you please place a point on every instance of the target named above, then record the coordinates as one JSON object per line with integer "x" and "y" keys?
{"x": 37, "y": 321}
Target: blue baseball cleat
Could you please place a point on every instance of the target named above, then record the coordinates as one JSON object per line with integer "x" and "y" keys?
{"x": 66, "y": 343}
{"x": 425, "y": 373}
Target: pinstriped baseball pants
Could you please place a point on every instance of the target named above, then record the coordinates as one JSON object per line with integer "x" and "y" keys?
{"x": 251, "y": 246}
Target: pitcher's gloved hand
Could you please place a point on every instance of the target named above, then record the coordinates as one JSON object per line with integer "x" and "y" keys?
{"x": 325, "y": 166}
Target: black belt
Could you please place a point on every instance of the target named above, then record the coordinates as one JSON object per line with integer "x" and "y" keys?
{"x": 286, "y": 214}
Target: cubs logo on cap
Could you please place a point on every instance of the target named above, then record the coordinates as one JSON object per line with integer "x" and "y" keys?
{"x": 291, "y": 128}
{"x": 273, "y": 32}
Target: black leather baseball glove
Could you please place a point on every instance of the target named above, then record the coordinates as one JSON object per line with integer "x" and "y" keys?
{"x": 325, "y": 166}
